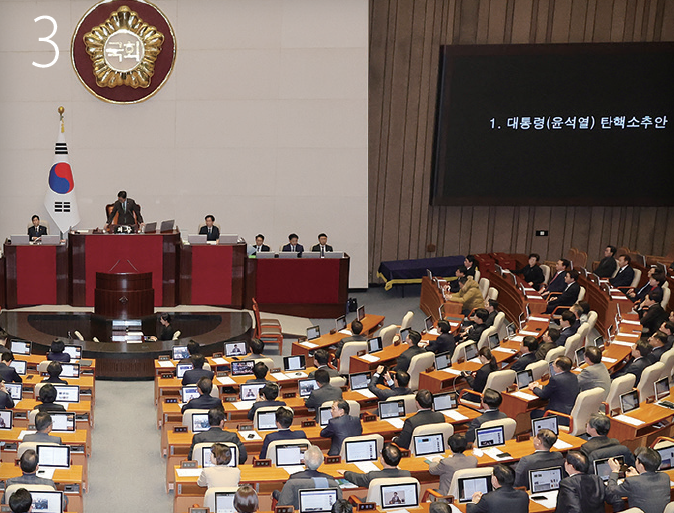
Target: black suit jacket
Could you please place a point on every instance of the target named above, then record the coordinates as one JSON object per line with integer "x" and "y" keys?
{"x": 193, "y": 375}
{"x": 477, "y": 422}
{"x": 623, "y": 278}
{"x": 656, "y": 354}
{"x": 263, "y": 249}
{"x": 478, "y": 382}
{"x": 383, "y": 394}
{"x": 583, "y": 493}
{"x": 126, "y": 216}
{"x": 636, "y": 367}
{"x": 34, "y": 233}
{"x": 340, "y": 428}
{"x": 298, "y": 248}
{"x": 606, "y": 267}
{"x": 505, "y": 498}
{"x": 214, "y": 235}
{"x": 320, "y": 395}
{"x": 405, "y": 358}
{"x": 444, "y": 343}
{"x": 652, "y": 318}
{"x": 561, "y": 392}
{"x": 281, "y": 434}
{"x": 263, "y": 404}
{"x": 421, "y": 418}
{"x": 363, "y": 480}
{"x": 533, "y": 275}
{"x": 7, "y": 403}
{"x": 215, "y": 434}
{"x": 557, "y": 283}
{"x": 524, "y": 360}
{"x": 569, "y": 297}
{"x": 9, "y": 374}
{"x": 317, "y": 247}
{"x": 535, "y": 461}
{"x": 203, "y": 402}
{"x": 649, "y": 491}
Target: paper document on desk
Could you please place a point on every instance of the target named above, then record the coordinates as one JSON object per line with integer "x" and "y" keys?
{"x": 367, "y": 466}
{"x": 189, "y": 472}
{"x": 449, "y": 370}
{"x": 47, "y": 473}
{"x": 608, "y": 360}
{"x": 219, "y": 361}
{"x": 454, "y": 415}
{"x": 529, "y": 333}
{"x": 433, "y": 331}
{"x": 517, "y": 338}
{"x": 345, "y": 332}
{"x": 623, "y": 343}
{"x": 541, "y": 319}
{"x": 26, "y": 432}
{"x": 243, "y": 405}
{"x": 505, "y": 350}
{"x": 226, "y": 380}
{"x": 309, "y": 345}
{"x": 396, "y": 423}
{"x": 279, "y": 376}
{"x": 561, "y": 445}
{"x": 245, "y": 435}
{"x": 626, "y": 321}
{"x": 629, "y": 335}
{"x": 366, "y": 393}
{"x": 523, "y": 395}
{"x": 550, "y": 501}
{"x": 370, "y": 358}
{"x": 293, "y": 469}
{"x": 166, "y": 364}
{"x": 629, "y": 420}
{"x": 492, "y": 453}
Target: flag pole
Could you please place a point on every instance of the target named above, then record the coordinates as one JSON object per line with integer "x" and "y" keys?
{"x": 61, "y": 110}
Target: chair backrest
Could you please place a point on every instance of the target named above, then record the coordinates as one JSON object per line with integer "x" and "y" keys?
{"x": 30, "y": 487}
{"x": 668, "y": 509}
{"x": 338, "y": 381}
{"x": 256, "y": 314}
{"x": 466, "y": 473}
{"x": 583, "y": 331}
{"x": 649, "y": 376}
{"x": 587, "y": 403}
{"x": 176, "y": 335}
{"x": 78, "y": 335}
{"x": 24, "y": 446}
{"x": 500, "y": 380}
{"x": 581, "y": 293}
{"x": 555, "y": 353}
{"x": 271, "y": 450}
{"x": 378, "y": 438}
{"x": 571, "y": 345}
{"x": 538, "y": 369}
{"x": 31, "y": 417}
{"x": 418, "y": 364}
{"x": 591, "y": 320}
{"x": 407, "y": 320}
{"x": 478, "y": 275}
{"x": 42, "y": 366}
{"x": 374, "y": 490}
{"x": 410, "y": 402}
{"x": 387, "y": 334}
{"x": 290, "y": 494}
{"x": 667, "y": 360}
{"x": 546, "y": 272}
{"x": 209, "y": 497}
{"x": 637, "y": 277}
{"x": 459, "y": 352}
{"x": 198, "y": 450}
{"x": 499, "y": 324}
{"x": 484, "y": 338}
{"x": 484, "y": 286}
{"x": 492, "y": 293}
{"x": 187, "y": 417}
{"x": 619, "y": 386}
{"x": 348, "y": 350}
{"x": 666, "y": 294}
{"x": 445, "y": 429}
{"x": 354, "y": 407}
{"x": 509, "y": 426}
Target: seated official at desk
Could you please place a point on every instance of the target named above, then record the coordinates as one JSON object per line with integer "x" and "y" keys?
{"x": 321, "y": 359}
{"x": 625, "y": 273}
{"x": 607, "y": 265}
{"x": 8, "y": 374}
{"x": 404, "y": 360}
{"x": 205, "y": 401}
{"x": 548, "y": 342}
{"x": 284, "y": 419}
{"x": 37, "y": 230}
{"x": 260, "y": 246}
{"x": 595, "y": 374}
{"x": 166, "y": 331}
{"x": 597, "y": 428}
{"x": 503, "y": 497}
{"x": 324, "y": 392}
{"x": 422, "y": 417}
{"x": 220, "y": 474}
{"x": 569, "y": 295}
{"x": 390, "y": 459}
{"x": 267, "y": 396}
{"x": 445, "y": 341}
{"x": 125, "y": 207}
{"x": 4, "y": 338}
{"x": 397, "y": 385}
{"x": 568, "y": 325}
{"x": 47, "y": 396}
{"x": 528, "y": 348}
{"x": 491, "y": 401}
{"x": 6, "y": 401}
{"x": 561, "y": 391}
{"x": 20, "y": 501}
{"x": 656, "y": 279}
{"x": 542, "y": 457}
{"x": 57, "y": 352}
{"x": 532, "y": 272}
{"x": 651, "y": 313}
{"x": 29, "y": 467}
{"x": 667, "y": 328}
{"x": 211, "y": 231}
{"x": 246, "y": 500}
{"x": 197, "y": 371}
{"x": 640, "y": 354}
{"x": 357, "y": 330}
{"x": 322, "y": 245}
{"x": 341, "y": 426}
{"x": 581, "y": 491}
{"x": 470, "y": 264}
{"x": 54, "y": 370}
{"x": 478, "y": 380}
{"x": 469, "y": 295}
{"x": 445, "y": 467}
{"x": 260, "y": 371}
{"x": 216, "y": 433}
{"x": 478, "y": 326}
{"x": 43, "y": 426}
{"x": 256, "y": 348}
{"x": 557, "y": 283}
{"x": 658, "y": 343}
{"x": 293, "y": 246}
{"x": 193, "y": 348}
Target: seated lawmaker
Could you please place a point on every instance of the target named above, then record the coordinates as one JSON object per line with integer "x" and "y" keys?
{"x": 568, "y": 327}
{"x": 608, "y": 265}
{"x": 293, "y": 246}
{"x": 532, "y": 272}
{"x": 625, "y": 273}
{"x": 216, "y": 433}
{"x": 197, "y": 371}
{"x": 557, "y": 283}
{"x": 656, "y": 279}
{"x": 597, "y": 428}
{"x": 549, "y": 341}
{"x": 445, "y": 342}
{"x": 37, "y": 230}
{"x": 8, "y": 374}
{"x": 246, "y": 500}
{"x": 125, "y": 207}
{"x": 29, "y": 467}
{"x": 478, "y": 379}
{"x": 267, "y": 396}
{"x": 260, "y": 371}
{"x": 205, "y": 401}
{"x": 43, "y": 426}
{"x": 569, "y": 295}
{"x": 397, "y": 385}
{"x": 166, "y": 331}
{"x": 220, "y": 474}
{"x": 357, "y": 330}
{"x": 341, "y": 426}
{"x": 313, "y": 459}
{"x": 503, "y": 497}
{"x": 321, "y": 359}
{"x": 469, "y": 295}
{"x": 47, "y": 396}
{"x": 324, "y": 392}
{"x": 580, "y": 491}
{"x": 22, "y": 502}
{"x": 6, "y": 401}
{"x": 322, "y": 245}
{"x": 561, "y": 391}
{"x": 457, "y": 460}
{"x": 491, "y": 401}
{"x": 424, "y": 415}
{"x": 390, "y": 459}
{"x": 651, "y": 313}
{"x": 54, "y": 370}
{"x": 595, "y": 374}
{"x": 404, "y": 360}
{"x": 57, "y": 352}
{"x": 193, "y": 348}
{"x": 640, "y": 360}
{"x": 528, "y": 348}
{"x": 4, "y": 338}
{"x": 256, "y": 348}
{"x": 211, "y": 231}
{"x": 658, "y": 343}
{"x": 284, "y": 419}
{"x": 474, "y": 332}
{"x": 542, "y": 457}
{"x": 260, "y": 246}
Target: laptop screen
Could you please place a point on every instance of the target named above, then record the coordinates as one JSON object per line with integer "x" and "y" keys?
{"x": 294, "y": 363}
{"x": 224, "y": 502}
{"x": 266, "y": 421}
{"x": 306, "y": 386}
{"x": 374, "y": 345}
{"x": 63, "y": 422}
{"x": 179, "y": 353}
{"x": 599, "y": 342}
{"x": 511, "y": 329}
{"x": 360, "y": 450}
{"x": 602, "y": 468}
{"x": 47, "y": 502}
{"x": 429, "y": 444}
{"x": 489, "y": 437}
{"x": 200, "y": 422}
{"x": 403, "y": 334}
{"x": 545, "y": 423}
{"x": 313, "y": 332}
{"x": 53, "y": 456}
{"x": 361, "y": 313}
{"x": 235, "y": 349}
{"x": 21, "y": 347}
{"x": 667, "y": 455}
{"x": 188, "y": 393}
{"x": 340, "y": 323}
{"x": 399, "y": 496}
{"x": 470, "y": 351}
{"x": 19, "y": 366}
{"x": 494, "y": 341}
{"x": 580, "y": 356}
{"x": 661, "y": 388}
{"x": 443, "y": 360}
{"x": 391, "y": 409}
{"x": 629, "y": 401}
{"x": 469, "y": 485}
{"x": 74, "y": 351}
{"x": 290, "y": 454}
{"x": 182, "y": 368}
{"x": 250, "y": 391}
{"x": 446, "y": 401}
{"x": 545, "y": 479}
{"x": 6, "y": 418}
{"x": 524, "y": 378}
{"x": 359, "y": 381}
{"x": 317, "y": 500}
{"x": 206, "y": 457}
{"x": 242, "y": 368}
{"x": 67, "y": 393}
{"x": 428, "y": 323}
{"x": 15, "y": 390}
{"x": 324, "y": 415}
{"x": 70, "y": 370}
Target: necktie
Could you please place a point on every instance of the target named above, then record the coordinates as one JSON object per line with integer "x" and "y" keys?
{"x": 124, "y": 204}
{"x": 293, "y": 249}
{"x": 322, "y": 250}
{"x": 209, "y": 231}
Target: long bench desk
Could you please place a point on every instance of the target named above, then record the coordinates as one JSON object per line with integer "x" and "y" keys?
{"x": 68, "y": 480}
{"x": 371, "y": 323}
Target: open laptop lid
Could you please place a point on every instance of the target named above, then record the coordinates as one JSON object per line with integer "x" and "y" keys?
{"x": 661, "y": 387}
{"x": 445, "y": 401}
{"x": 53, "y": 456}
{"x": 324, "y": 414}
{"x": 290, "y": 454}
{"x": 236, "y": 348}
{"x": 182, "y": 368}
{"x": 63, "y": 422}
{"x": 19, "y": 366}
{"x": 494, "y": 341}
{"x": 70, "y": 370}
{"x": 428, "y": 323}
{"x": 374, "y": 344}
{"x": 67, "y": 393}
{"x": 15, "y": 390}
{"x": 74, "y": 351}
{"x": 294, "y": 363}
{"x": 150, "y": 227}
{"x": 391, "y": 409}
{"x": 179, "y": 353}
{"x": 224, "y": 502}
{"x": 360, "y": 313}
{"x": 6, "y": 419}
{"x": 360, "y": 450}
{"x": 429, "y": 444}
{"x": 250, "y": 391}
{"x": 20, "y": 347}
{"x": 470, "y": 351}
{"x": 666, "y": 452}
{"x": 602, "y": 468}
{"x": 242, "y": 368}
{"x": 47, "y": 501}
{"x": 317, "y": 500}
{"x": 443, "y": 360}
{"x": 206, "y": 456}
{"x": 200, "y": 422}
{"x": 469, "y": 485}
{"x": 167, "y": 226}
{"x": 545, "y": 479}
{"x": 188, "y": 393}
{"x": 359, "y": 381}
{"x": 306, "y": 386}
{"x": 551, "y": 422}
{"x": 396, "y": 496}
{"x": 266, "y": 421}
{"x": 629, "y": 401}
{"x": 524, "y": 378}
{"x": 340, "y": 322}
{"x": 511, "y": 330}
{"x": 313, "y": 332}
{"x": 580, "y": 356}
{"x": 489, "y": 436}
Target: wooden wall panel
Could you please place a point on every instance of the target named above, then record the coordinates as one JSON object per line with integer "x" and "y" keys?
{"x": 405, "y": 39}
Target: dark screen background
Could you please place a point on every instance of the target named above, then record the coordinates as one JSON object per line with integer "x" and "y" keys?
{"x": 478, "y": 164}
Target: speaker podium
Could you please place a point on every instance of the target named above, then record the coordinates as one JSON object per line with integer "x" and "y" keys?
{"x": 124, "y": 295}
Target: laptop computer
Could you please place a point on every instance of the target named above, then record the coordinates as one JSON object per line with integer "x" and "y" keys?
{"x": 14, "y": 390}
{"x": 250, "y": 391}
{"x": 399, "y": 496}
{"x": 602, "y": 468}
{"x": 661, "y": 388}
{"x": 306, "y": 386}
{"x": 666, "y": 452}
{"x": 229, "y": 238}
{"x": 313, "y": 332}
{"x": 236, "y": 348}
{"x": 70, "y": 370}
{"x": 340, "y": 322}
{"x": 47, "y": 502}
{"x": 580, "y": 356}
{"x": 360, "y": 313}
{"x": 74, "y": 351}
{"x": 470, "y": 351}
{"x": 53, "y": 456}
{"x": 374, "y": 345}
{"x": 294, "y": 363}
{"x": 288, "y": 254}
{"x": 445, "y": 401}
{"x": 242, "y": 368}
{"x": 469, "y": 485}
{"x": 333, "y": 254}
{"x": 290, "y": 454}
{"x": 50, "y": 240}
{"x": 359, "y": 381}
{"x": 494, "y": 341}
{"x": 391, "y": 409}
{"x": 197, "y": 239}
{"x": 489, "y": 436}
{"x": 317, "y": 500}
{"x": 167, "y": 226}
{"x": 179, "y": 353}
{"x": 311, "y": 255}
{"x": 265, "y": 254}
{"x": 19, "y": 366}
{"x": 429, "y": 445}
{"x": 63, "y": 422}
{"x": 200, "y": 422}
{"x": 428, "y": 323}
{"x": 20, "y": 347}
{"x": 629, "y": 401}
{"x": 443, "y": 360}
{"x": 6, "y": 419}
{"x": 524, "y": 378}
{"x": 551, "y": 422}
{"x": 544, "y": 482}
{"x": 20, "y": 240}
{"x": 323, "y": 415}
{"x": 182, "y": 368}
{"x": 360, "y": 450}
{"x": 206, "y": 456}
{"x": 266, "y": 421}
{"x": 224, "y": 502}
{"x": 403, "y": 334}
{"x": 598, "y": 342}
{"x": 511, "y": 330}
{"x": 189, "y": 393}
{"x": 150, "y": 227}
{"x": 67, "y": 393}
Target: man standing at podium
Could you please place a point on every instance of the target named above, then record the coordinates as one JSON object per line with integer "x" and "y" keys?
{"x": 212, "y": 232}
{"x": 125, "y": 207}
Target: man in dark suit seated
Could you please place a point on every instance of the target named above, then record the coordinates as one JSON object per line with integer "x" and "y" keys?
{"x": 56, "y": 352}
{"x": 423, "y": 417}
{"x": 216, "y": 433}
{"x": 284, "y": 419}
{"x": 644, "y": 487}
{"x": 205, "y": 401}
{"x": 503, "y": 497}
{"x": 561, "y": 391}
{"x": 321, "y": 359}
{"x": 54, "y": 370}
{"x": 569, "y": 295}
{"x": 528, "y": 348}
{"x": 126, "y": 208}
{"x": 474, "y": 332}
{"x": 29, "y": 467}
{"x": 607, "y": 265}
{"x": 640, "y": 355}
{"x": 260, "y": 246}
{"x": 322, "y": 245}
{"x": 397, "y": 385}
{"x": 541, "y": 458}
{"x": 651, "y": 313}
{"x": 43, "y": 426}
{"x": 390, "y": 459}
{"x": 212, "y": 232}
{"x": 8, "y": 374}
{"x": 404, "y": 360}
{"x": 568, "y": 326}
{"x": 445, "y": 341}
{"x": 582, "y": 492}
{"x": 293, "y": 246}
{"x": 357, "y": 330}
{"x": 548, "y": 342}
{"x": 4, "y": 339}
{"x": 260, "y": 371}
{"x": 597, "y": 428}
{"x": 656, "y": 278}
{"x": 667, "y": 328}
{"x": 313, "y": 459}
{"x": 324, "y": 392}
{"x": 37, "y": 230}
{"x": 557, "y": 283}
{"x": 267, "y": 396}
{"x": 625, "y": 273}
{"x": 491, "y": 400}
{"x": 658, "y": 343}
{"x": 446, "y": 467}
{"x": 197, "y": 371}
{"x": 532, "y": 272}
{"x": 341, "y": 426}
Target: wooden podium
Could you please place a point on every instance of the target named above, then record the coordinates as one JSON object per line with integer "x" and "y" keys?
{"x": 124, "y": 295}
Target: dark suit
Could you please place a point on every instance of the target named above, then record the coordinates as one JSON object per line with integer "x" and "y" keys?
{"x": 338, "y": 429}
{"x": 561, "y": 392}
{"x": 524, "y": 360}
{"x": 652, "y": 318}
{"x": 9, "y": 374}
{"x": 34, "y": 233}
{"x": 656, "y": 354}
{"x": 333, "y": 373}
{"x": 568, "y": 298}
{"x": 352, "y": 338}
{"x": 478, "y": 382}
{"x": 405, "y": 358}
{"x": 383, "y": 394}
{"x": 263, "y": 404}
{"x": 43, "y": 438}
{"x": 596, "y": 443}
{"x": 475, "y": 332}
{"x": 583, "y": 493}
{"x": 50, "y": 407}
{"x": 623, "y": 278}
{"x": 533, "y": 275}
{"x": 56, "y": 381}
{"x": 166, "y": 333}
{"x": 298, "y": 248}
{"x": 326, "y": 249}
{"x": 58, "y": 357}
{"x": 543, "y": 349}
{"x": 193, "y": 375}
{"x": 649, "y": 491}
{"x": 565, "y": 334}
{"x": 636, "y": 367}
{"x": 446, "y": 467}
{"x": 505, "y": 498}
{"x": 606, "y": 267}
{"x": 30, "y": 479}
{"x": 557, "y": 283}
{"x": 203, "y": 402}
{"x": 263, "y": 249}
{"x": 281, "y": 434}
{"x": 309, "y": 474}
{"x": 320, "y": 395}
{"x": 443, "y": 344}
{"x": 485, "y": 417}
{"x": 363, "y": 480}
{"x": 214, "y": 235}
{"x": 215, "y": 434}
{"x": 6, "y": 401}
{"x": 535, "y": 461}
{"x": 126, "y": 215}
{"x": 421, "y": 418}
